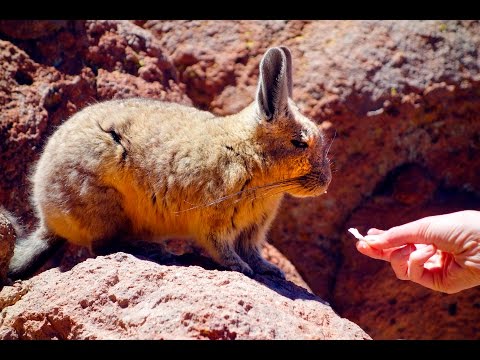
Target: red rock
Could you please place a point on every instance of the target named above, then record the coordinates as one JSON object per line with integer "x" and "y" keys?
{"x": 270, "y": 253}
{"x": 413, "y": 186}
{"x": 30, "y": 29}
{"x": 218, "y": 60}
{"x": 122, "y": 297}
{"x": 117, "y": 85}
{"x": 184, "y": 253}
{"x": 7, "y": 242}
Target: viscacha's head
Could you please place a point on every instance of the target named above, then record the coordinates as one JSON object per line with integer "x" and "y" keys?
{"x": 294, "y": 147}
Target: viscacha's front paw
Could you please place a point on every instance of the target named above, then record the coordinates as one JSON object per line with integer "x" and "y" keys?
{"x": 243, "y": 268}
{"x": 265, "y": 267}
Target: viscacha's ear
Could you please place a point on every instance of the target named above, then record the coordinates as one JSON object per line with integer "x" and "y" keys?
{"x": 288, "y": 56}
{"x": 272, "y": 94}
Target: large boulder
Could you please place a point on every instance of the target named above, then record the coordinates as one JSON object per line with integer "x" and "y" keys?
{"x": 122, "y": 297}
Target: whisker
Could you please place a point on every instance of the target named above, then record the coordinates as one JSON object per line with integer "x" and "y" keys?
{"x": 278, "y": 184}
{"x": 262, "y": 191}
{"x": 331, "y": 142}
{"x": 279, "y": 190}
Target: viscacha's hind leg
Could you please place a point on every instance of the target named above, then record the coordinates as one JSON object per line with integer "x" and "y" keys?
{"x": 93, "y": 220}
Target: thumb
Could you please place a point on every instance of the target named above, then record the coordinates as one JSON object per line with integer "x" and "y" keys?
{"x": 413, "y": 232}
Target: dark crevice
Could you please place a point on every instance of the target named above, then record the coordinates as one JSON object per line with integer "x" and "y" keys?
{"x": 385, "y": 187}
{"x": 55, "y": 48}
{"x": 452, "y": 309}
{"x": 23, "y": 78}
{"x": 392, "y": 111}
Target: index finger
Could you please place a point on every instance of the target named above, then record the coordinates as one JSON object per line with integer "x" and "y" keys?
{"x": 413, "y": 232}
{"x": 380, "y": 254}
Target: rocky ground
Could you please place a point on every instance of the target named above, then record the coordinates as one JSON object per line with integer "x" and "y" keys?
{"x": 400, "y": 98}
{"x": 122, "y": 297}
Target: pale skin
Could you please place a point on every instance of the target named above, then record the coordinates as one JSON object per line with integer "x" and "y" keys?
{"x": 439, "y": 252}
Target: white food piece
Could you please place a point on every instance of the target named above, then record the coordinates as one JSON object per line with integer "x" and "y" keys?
{"x": 355, "y": 233}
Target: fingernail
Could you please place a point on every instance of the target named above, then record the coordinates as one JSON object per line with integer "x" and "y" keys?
{"x": 371, "y": 238}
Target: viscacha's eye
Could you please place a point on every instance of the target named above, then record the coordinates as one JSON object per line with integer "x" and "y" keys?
{"x": 299, "y": 144}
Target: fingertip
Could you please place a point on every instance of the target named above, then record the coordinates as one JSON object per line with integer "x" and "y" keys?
{"x": 427, "y": 250}
{"x": 374, "y": 231}
{"x": 361, "y": 245}
{"x": 423, "y": 254}
{"x": 365, "y": 249}
{"x": 399, "y": 261}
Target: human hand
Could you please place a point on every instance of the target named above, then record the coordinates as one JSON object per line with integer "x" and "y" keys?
{"x": 439, "y": 252}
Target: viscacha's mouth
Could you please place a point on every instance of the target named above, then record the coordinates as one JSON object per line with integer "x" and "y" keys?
{"x": 313, "y": 184}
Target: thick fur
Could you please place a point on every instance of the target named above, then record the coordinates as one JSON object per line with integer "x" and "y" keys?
{"x": 145, "y": 169}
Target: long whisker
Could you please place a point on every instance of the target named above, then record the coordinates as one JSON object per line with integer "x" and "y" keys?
{"x": 331, "y": 142}
{"x": 268, "y": 194}
{"x": 262, "y": 191}
{"x": 253, "y": 190}
{"x": 276, "y": 190}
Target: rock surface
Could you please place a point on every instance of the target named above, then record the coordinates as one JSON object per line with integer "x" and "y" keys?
{"x": 393, "y": 94}
{"x": 30, "y": 29}
{"x": 184, "y": 253}
{"x": 122, "y": 297}
{"x": 7, "y": 243}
